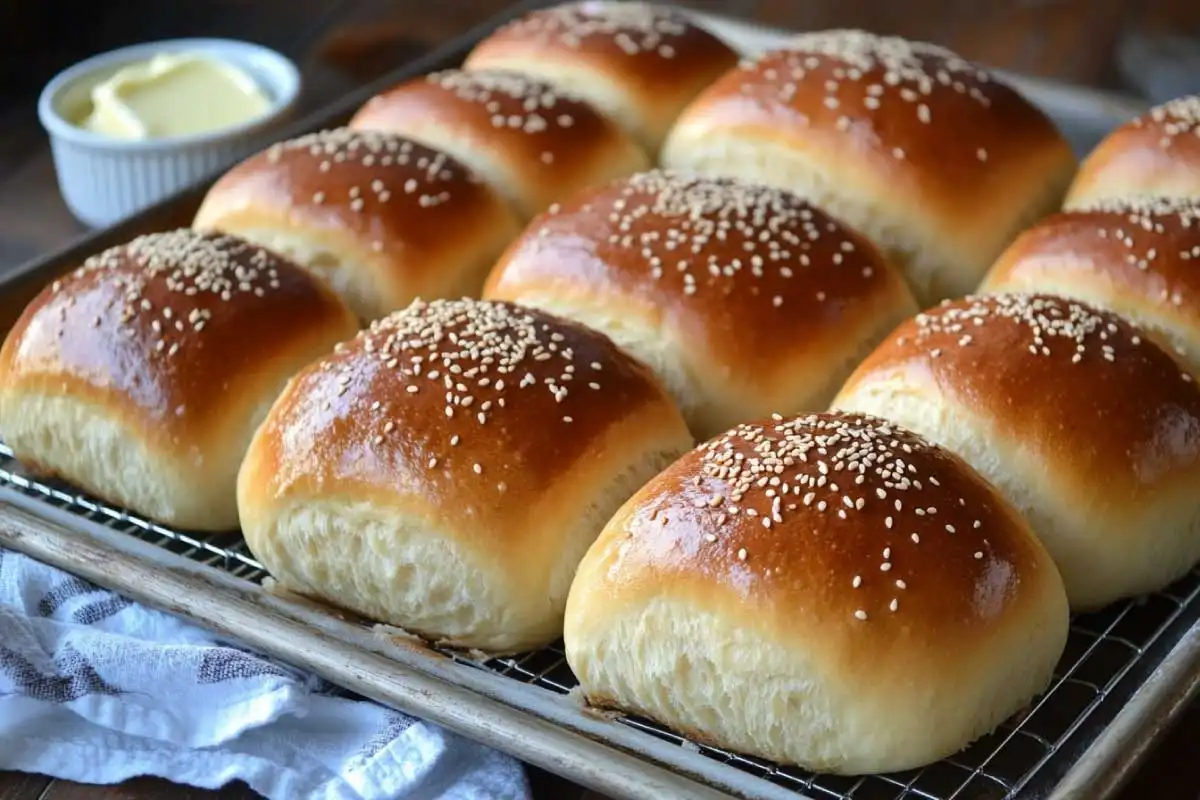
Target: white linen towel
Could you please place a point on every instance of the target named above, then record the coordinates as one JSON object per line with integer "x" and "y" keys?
{"x": 97, "y": 689}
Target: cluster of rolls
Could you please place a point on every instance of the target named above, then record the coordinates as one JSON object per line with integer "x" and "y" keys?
{"x": 447, "y": 367}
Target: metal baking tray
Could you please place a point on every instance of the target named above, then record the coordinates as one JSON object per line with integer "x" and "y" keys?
{"x": 1126, "y": 674}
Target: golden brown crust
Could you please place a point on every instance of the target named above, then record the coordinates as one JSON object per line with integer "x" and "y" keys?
{"x": 1156, "y": 153}
{"x": 383, "y": 198}
{"x": 755, "y": 279}
{"x": 841, "y": 524}
{"x": 923, "y": 118}
{"x": 550, "y": 141}
{"x": 1078, "y": 386}
{"x": 1137, "y": 257}
{"x": 171, "y": 332}
{"x": 651, "y": 54}
{"x": 470, "y": 408}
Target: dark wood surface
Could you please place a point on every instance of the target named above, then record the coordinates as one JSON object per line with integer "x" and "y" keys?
{"x": 342, "y": 43}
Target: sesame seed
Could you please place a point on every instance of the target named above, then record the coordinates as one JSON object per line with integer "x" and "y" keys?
{"x": 1178, "y": 117}
{"x": 423, "y": 173}
{"x": 895, "y": 604}
{"x": 741, "y": 554}
{"x": 207, "y": 269}
{"x": 892, "y": 69}
{"x": 860, "y": 614}
{"x": 1051, "y": 324}
{"x": 474, "y": 355}
{"x": 636, "y": 29}
{"x": 731, "y": 234}
{"x": 757, "y": 465}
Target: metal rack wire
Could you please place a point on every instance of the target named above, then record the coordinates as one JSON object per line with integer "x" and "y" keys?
{"x": 1107, "y": 657}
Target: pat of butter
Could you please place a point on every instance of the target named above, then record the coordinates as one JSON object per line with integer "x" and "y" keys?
{"x": 174, "y": 95}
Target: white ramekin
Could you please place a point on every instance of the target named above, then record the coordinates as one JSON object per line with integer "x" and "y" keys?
{"x": 103, "y": 180}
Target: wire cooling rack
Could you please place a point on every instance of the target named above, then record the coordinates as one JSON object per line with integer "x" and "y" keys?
{"x": 1108, "y": 656}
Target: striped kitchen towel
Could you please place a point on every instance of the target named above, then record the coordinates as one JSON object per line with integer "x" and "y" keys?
{"x": 97, "y": 689}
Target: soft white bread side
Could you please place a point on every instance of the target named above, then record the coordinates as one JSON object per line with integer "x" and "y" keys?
{"x": 638, "y": 63}
{"x": 445, "y": 471}
{"x": 830, "y": 591}
{"x": 380, "y": 217}
{"x": 1154, "y": 155}
{"x": 923, "y": 152}
{"x": 141, "y": 376}
{"x": 1138, "y": 256}
{"x": 744, "y": 299}
{"x": 532, "y": 143}
{"x": 1086, "y": 426}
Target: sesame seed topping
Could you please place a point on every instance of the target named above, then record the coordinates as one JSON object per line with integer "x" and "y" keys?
{"x": 203, "y": 270}
{"x": 750, "y": 470}
{"x": 473, "y": 354}
{"x": 636, "y": 28}
{"x": 1178, "y": 117}
{"x": 898, "y": 76}
{"x": 1052, "y": 324}
{"x": 1146, "y": 227}
{"x": 413, "y": 168}
{"x": 860, "y": 614}
{"x": 516, "y": 101}
{"x": 700, "y": 235}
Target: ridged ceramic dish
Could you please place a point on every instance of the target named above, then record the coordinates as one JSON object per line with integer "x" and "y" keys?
{"x": 104, "y": 180}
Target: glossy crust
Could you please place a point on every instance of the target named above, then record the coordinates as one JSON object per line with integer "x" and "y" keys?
{"x": 532, "y": 143}
{"x": 500, "y": 434}
{"x": 1137, "y": 257}
{"x": 371, "y": 212}
{"x": 745, "y": 299}
{"x": 874, "y": 606}
{"x": 174, "y": 344}
{"x": 898, "y": 138}
{"x": 1089, "y": 428}
{"x": 1155, "y": 154}
{"x": 640, "y": 63}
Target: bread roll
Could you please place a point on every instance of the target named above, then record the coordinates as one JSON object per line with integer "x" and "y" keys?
{"x": 141, "y": 376}
{"x": 830, "y": 591}
{"x": 382, "y": 218}
{"x": 937, "y": 162}
{"x": 532, "y": 143}
{"x": 639, "y": 63}
{"x": 446, "y": 471}
{"x": 1089, "y": 429}
{"x": 1157, "y": 153}
{"x": 742, "y": 298}
{"x": 1139, "y": 257}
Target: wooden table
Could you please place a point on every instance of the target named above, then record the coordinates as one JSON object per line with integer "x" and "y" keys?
{"x": 341, "y": 44}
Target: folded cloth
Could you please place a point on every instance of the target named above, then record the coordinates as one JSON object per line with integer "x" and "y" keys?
{"x": 97, "y": 689}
